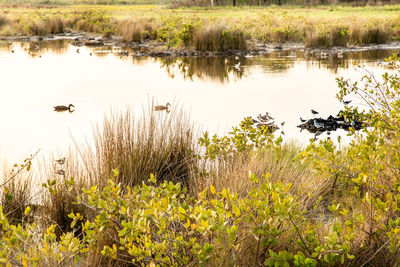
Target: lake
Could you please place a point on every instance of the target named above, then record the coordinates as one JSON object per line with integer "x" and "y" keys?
{"x": 37, "y": 76}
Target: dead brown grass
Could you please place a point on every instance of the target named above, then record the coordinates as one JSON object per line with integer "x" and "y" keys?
{"x": 134, "y": 30}
{"x": 60, "y": 203}
{"x": 15, "y": 197}
{"x": 218, "y": 38}
{"x": 3, "y": 20}
{"x": 160, "y": 143}
{"x": 282, "y": 164}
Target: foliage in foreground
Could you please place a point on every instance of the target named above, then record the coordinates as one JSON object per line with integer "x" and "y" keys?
{"x": 162, "y": 225}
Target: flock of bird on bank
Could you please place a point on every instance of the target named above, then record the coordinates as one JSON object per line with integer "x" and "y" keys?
{"x": 320, "y": 125}
{"x": 267, "y": 122}
{"x": 315, "y": 125}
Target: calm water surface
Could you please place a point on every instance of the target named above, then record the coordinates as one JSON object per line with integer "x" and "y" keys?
{"x": 37, "y": 76}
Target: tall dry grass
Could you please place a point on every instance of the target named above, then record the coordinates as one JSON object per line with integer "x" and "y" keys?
{"x": 282, "y": 164}
{"x": 18, "y": 190}
{"x": 40, "y": 25}
{"x": 360, "y": 32}
{"x": 3, "y": 20}
{"x": 158, "y": 142}
{"x": 210, "y": 34}
{"x": 218, "y": 38}
{"x": 134, "y": 30}
{"x": 61, "y": 202}
{"x": 15, "y": 196}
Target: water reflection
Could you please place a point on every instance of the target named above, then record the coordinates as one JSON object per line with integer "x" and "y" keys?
{"x": 213, "y": 68}
{"x": 219, "y": 69}
{"x": 35, "y": 48}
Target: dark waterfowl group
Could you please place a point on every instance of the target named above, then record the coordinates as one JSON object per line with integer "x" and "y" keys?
{"x": 320, "y": 125}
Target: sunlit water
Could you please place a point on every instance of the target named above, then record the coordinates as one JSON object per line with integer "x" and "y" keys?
{"x": 36, "y": 77}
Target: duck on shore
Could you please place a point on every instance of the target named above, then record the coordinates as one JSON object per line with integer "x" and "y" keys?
{"x": 60, "y": 161}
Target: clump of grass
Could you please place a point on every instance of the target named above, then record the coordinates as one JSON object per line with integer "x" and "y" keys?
{"x": 15, "y": 198}
{"x": 375, "y": 32}
{"x": 283, "y": 165}
{"x": 158, "y": 143}
{"x": 59, "y": 199}
{"x": 327, "y": 36}
{"x": 41, "y": 25}
{"x": 16, "y": 187}
{"x": 339, "y": 36}
{"x": 133, "y": 30}
{"x": 218, "y": 38}
{"x": 55, "y": 25}
{"x": 375, "y": 36}
{"x": 3, "y": 21}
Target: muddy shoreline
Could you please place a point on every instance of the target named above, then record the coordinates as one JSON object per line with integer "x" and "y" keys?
{"x": 159, "y": 49}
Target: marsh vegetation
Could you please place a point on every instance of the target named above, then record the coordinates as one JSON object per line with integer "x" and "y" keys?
{"x": 154, "y": 190}
{"x": 212, "y": 29}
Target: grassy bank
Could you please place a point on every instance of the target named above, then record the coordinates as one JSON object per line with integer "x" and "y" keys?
{"x": 212, "y": 29}
{"x": 148, "y": 193}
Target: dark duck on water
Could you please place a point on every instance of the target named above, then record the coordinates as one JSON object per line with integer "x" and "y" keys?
{"x": 64, "y": 108}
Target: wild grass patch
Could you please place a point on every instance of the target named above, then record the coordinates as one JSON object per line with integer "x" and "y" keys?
{"x": 135, "y": 30}
{"x": 218, "y": 38}
{"x": 3, "y": 20}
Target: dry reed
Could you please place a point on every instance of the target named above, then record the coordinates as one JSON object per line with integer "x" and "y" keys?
{"x": 159, "y": 143}
{"x": 218, "y": 38}
{"x": 134, "y": 30}
{"x": 3, "y": 21}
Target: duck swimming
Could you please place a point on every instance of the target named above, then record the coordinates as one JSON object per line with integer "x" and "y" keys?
{"x": 63, "y": 108}
{"x": 161, "y": 107}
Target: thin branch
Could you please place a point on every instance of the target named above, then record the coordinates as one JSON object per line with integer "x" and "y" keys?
{"x": 21, "y": 168}
{"x": 301, "y": 237}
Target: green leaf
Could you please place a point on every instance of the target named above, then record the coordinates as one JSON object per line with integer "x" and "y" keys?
{"x": 212, "y": 189}
{"x": 181, "y": 210}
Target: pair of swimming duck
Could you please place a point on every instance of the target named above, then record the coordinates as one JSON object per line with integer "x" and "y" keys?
{"x": 65, "y": 108}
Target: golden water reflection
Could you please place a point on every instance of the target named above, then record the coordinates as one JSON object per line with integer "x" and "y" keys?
{"x": 213, "y": 67}
{"x": 217, "y": 92}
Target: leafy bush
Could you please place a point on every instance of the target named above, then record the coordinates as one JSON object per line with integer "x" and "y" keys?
{"x": 162, "y": 225}
{"x": 366, "y": 172}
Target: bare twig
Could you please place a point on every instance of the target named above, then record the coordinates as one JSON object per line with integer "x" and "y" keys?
{"x": 28, "y": 162}
{"x": 301, "y": 237}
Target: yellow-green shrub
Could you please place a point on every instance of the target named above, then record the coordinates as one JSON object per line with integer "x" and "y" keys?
{"x": 364, "y": 177}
